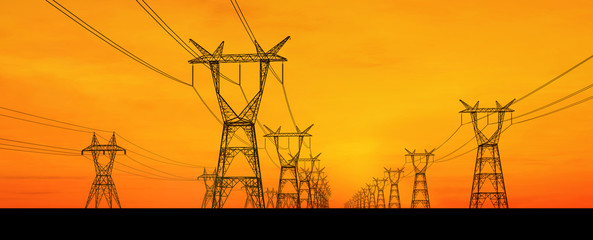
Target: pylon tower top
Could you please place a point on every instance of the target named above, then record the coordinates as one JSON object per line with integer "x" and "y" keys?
{"x": 261, "y": 55}
{"x": 476, "y": 109}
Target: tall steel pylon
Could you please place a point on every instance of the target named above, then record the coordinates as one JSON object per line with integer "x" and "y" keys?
{"x": 380, "y": 186}
{"x": 288, "y": 184}
{"x": 488, "y": 165}
{"x": 271, "y": 197}
{"x": 208, "y": 184}
{"x": 372, "y": 190}
{"x": 305, "y": 180}
{"x": 420, "y": 161}
{"x": 223, "y": 184}
{"x": 103, "y": 185}
{"x": 394, "y": 176}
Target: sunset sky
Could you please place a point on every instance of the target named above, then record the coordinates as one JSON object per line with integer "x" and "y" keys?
{"x": 374, "y": 77}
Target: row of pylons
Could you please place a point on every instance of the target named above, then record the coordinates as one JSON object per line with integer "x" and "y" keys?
{"x": 488, "y": 187}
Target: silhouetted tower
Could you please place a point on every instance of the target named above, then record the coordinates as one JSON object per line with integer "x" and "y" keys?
{"x": 209, "y": 184}
{"x": 488, "y": 165}
{"x": 305, "y": 174}
{"x": 103, "y": 185}
{"x": 271, "y": 196}
{"x": 394, "y": 176}
{"x": 223, "y": 184}
{"x": 372, "y": 190}
{"x": 365, "y": 197}
{"x": 317, "y": 181}
{"x": 288, "y": 184}
{"x": 380, "y": 185}
{"x": 420, "y": 161}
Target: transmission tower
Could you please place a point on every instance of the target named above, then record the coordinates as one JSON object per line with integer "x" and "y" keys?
{"x": 380, "y": 185}
{"x": 305, "y": 177}
{"x": 488, "y": 165}
{"x": 103, "y": 185}
{"x": 271, "y": 196}
{"x": 232, "y": 122}
{"x": 288, "y": 184}
{"x": 209, "y": 184}
{"x": 372, "y": 189}
{"x": 394, "y": 176}
{"x": 420, "y": 192}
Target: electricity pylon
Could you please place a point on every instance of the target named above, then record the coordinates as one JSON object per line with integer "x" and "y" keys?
{"x": 223, "y": 184}
{"x": 209, "y": 184}
{"x": 380, "y": 185}
{"x": 394, "y": 176}
{"x": 420, "y": 161}
{"x": 103, "y": 185}
{"x": 288, "y": 184}
{"x": 305, "y": 173}
{"x": 372, "y": 189}
{"x": 488, "y": 165}
{"x": 271, "y": 196}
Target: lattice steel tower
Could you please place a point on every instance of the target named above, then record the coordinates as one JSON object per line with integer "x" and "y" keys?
{"x": 271, "y": 196}
{"x": 420, "y": 161}
{"x": 209, "y": 185}
{"x": 223, "y": 184}
{"x": 394, "y": 176}
{"x": 103, "y": 185}
{"x": 380, "y": 186}
{"x": 372, "y": 190}
{"x": 305, "y": 179}
{"x": 488, "y": 165}
{"x": 288, "y": 184}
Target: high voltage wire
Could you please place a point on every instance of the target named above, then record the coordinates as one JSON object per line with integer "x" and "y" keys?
{"x": 67, "y": 123}
{"x": 97, "y": 33}
{"x": 37, "y": 144}
{"x": 139, "y": 170}
{"x": 123, "y": 50}
{"x": 31, "y": 151}
{"x": 536, "y": 90}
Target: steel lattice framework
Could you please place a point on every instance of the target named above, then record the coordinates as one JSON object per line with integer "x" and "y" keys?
{"x": 245, "y": 120}
{"x": 103, "y": 186}
{"x": 209, "y": 184}
{"x": 380, "y": 186}
{"x": 488, "y": 165}
{"x": 420, "y": 161}
{"x": 271, "y": 197}
{"x": 288, "y": 196}
{"x": 305, "y": 180}
{"x": 394, "y": 176}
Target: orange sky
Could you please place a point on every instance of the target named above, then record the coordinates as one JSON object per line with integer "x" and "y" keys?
{"x": 374, "y": 77}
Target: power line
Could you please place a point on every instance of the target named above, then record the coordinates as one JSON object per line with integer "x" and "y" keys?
{"x": 174, "y": 35}
{"x": 158, "y": 169}
{"x": 31, "y": 151}
{"x": 45, "y": 124}
{"x": 554, "y": 79}
{"x": 35, "y": 148}
{"x": 113, "y": 44}
{"x": 37, "y": 144}
{"x": 557, "y": 110}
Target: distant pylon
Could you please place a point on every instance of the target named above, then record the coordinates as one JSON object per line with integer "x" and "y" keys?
{"x": 394, "y": 176}
{"x": 372, "y": 189}
{"x": 103, "y": 185}
{"x": 288, "y": 196}
{"x": 380, "y": 185}
{"x": 488, "y": 165}
{"x": 305, "y": 177}
{"x": 420, "y": 161}
{"x": 245, "y": 120}
{"x": 209, "y": 184}
{"x": 271, "y": 197}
